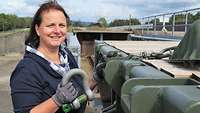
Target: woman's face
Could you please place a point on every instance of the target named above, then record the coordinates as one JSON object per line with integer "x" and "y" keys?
{"x": 52, "y": 29}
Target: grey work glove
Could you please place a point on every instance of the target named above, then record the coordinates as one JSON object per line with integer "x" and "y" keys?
{"x": 65, "y": 94}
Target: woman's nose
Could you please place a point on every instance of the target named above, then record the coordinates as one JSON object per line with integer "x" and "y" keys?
{"x": 57, "y": 29}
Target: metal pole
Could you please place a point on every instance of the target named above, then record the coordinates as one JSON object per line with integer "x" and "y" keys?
{"x": 142, "y": 27}
{"x": 186, "y": 20}
{"x": 164, "y": 21}
{"x": 101, "y": 36}
{"x": 173, "y": 24}
{"x": 130, "y": 21}
{"x": 155, "y": 25}
{"x": 148, "y": 25}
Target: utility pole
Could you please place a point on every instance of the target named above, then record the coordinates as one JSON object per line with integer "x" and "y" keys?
{"x": 129, "y": 21}
{"x": 3, "y": 26}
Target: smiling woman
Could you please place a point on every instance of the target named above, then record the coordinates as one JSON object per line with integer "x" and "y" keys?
{"x": 46, "y": 61}
{"x": 52, "y": 32}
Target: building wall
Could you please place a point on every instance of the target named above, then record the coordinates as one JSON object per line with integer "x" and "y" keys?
{"x": 12, "y": 43}
{"x": 87, "y": 39}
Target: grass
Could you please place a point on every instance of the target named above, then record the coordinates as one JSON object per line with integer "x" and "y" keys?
{"x": 4, "y": 33}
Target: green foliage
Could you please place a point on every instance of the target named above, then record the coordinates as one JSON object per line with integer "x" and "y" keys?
{"x": 102, "y": 21}
{"x": 153, "y": 20}
{"x": 120, "y": 22}
{"x": 180, "y": 18}
{"x": 77, "y": 24}
{"x": 10, "y": 22}
{"x": 196, "y": 16}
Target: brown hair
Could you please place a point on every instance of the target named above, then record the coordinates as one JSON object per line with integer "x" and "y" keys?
{"x": 33, "y": 39}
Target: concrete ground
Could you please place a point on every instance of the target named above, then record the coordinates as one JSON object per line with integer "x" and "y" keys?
{"x": 7, "y": 64}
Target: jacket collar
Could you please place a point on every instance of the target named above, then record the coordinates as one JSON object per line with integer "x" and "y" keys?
{"x": 43, "y": 63}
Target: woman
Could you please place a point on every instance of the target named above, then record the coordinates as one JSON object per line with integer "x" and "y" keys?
{"x": 35, "y": 81}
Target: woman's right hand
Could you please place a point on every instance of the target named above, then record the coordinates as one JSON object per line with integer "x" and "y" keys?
{"x": 65, "y": 94}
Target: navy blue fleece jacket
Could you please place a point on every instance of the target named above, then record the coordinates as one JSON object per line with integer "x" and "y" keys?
{"x": 34, "y": 81}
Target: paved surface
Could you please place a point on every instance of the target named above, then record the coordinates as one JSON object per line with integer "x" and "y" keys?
{"x": 7, "y": 64}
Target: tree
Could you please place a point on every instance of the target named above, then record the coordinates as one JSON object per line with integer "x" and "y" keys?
{"x": 11, "y": 21}
{"x": 180, "y": 18}
{"x": 153, "y": 21}
{"x": 196, "y": 16}
{"x": 121, "y": 22}
{"x": 102, "y": 21}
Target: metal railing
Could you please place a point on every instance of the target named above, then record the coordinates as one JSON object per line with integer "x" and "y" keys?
{"x": 162, "y": 26}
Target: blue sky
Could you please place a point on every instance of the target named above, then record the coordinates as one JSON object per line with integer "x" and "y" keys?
{"x": 92, "y": 10}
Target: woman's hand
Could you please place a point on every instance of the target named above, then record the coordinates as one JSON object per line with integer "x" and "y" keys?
{"x": 65, "y": 94}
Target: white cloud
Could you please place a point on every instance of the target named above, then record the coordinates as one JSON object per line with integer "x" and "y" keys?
{"x": 18, "y": 7}
{"x": 92, "y": 10}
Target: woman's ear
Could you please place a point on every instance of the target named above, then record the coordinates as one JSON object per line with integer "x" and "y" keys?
{"x": 36, "y": 29}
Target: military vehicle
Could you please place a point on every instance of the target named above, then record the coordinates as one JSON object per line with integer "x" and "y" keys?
{"x": 149, "y": 76}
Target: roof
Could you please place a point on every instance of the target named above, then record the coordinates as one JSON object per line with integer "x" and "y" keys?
{"x": 102, "y": 31}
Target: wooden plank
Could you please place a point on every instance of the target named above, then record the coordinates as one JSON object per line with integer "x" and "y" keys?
{"x": 137, "y": 47}
{"x": 176, "y": 70}
{"x": 87, "y": 48}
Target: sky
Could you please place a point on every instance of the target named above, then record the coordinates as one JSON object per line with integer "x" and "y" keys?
{"x": 92, "y": 10}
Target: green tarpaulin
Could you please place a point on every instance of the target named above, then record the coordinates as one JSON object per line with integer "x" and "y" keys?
{"x": 189, "y": 47}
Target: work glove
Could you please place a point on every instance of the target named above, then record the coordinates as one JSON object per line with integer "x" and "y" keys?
{"x": 64, "y": 94}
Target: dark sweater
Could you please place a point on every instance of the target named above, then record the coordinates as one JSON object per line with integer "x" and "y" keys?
{"x": 34, "y": 81}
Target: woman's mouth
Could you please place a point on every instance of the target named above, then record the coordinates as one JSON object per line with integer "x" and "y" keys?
{"x": 55, "y": 37}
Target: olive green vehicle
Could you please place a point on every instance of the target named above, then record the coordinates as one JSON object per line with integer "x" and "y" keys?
{"x": 164, "y": 81}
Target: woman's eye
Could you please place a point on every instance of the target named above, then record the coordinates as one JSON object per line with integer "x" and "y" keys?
{"x": 62, "y": 25}
{"x": 54, "y": 25}
{"x": 50, "y": 25}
